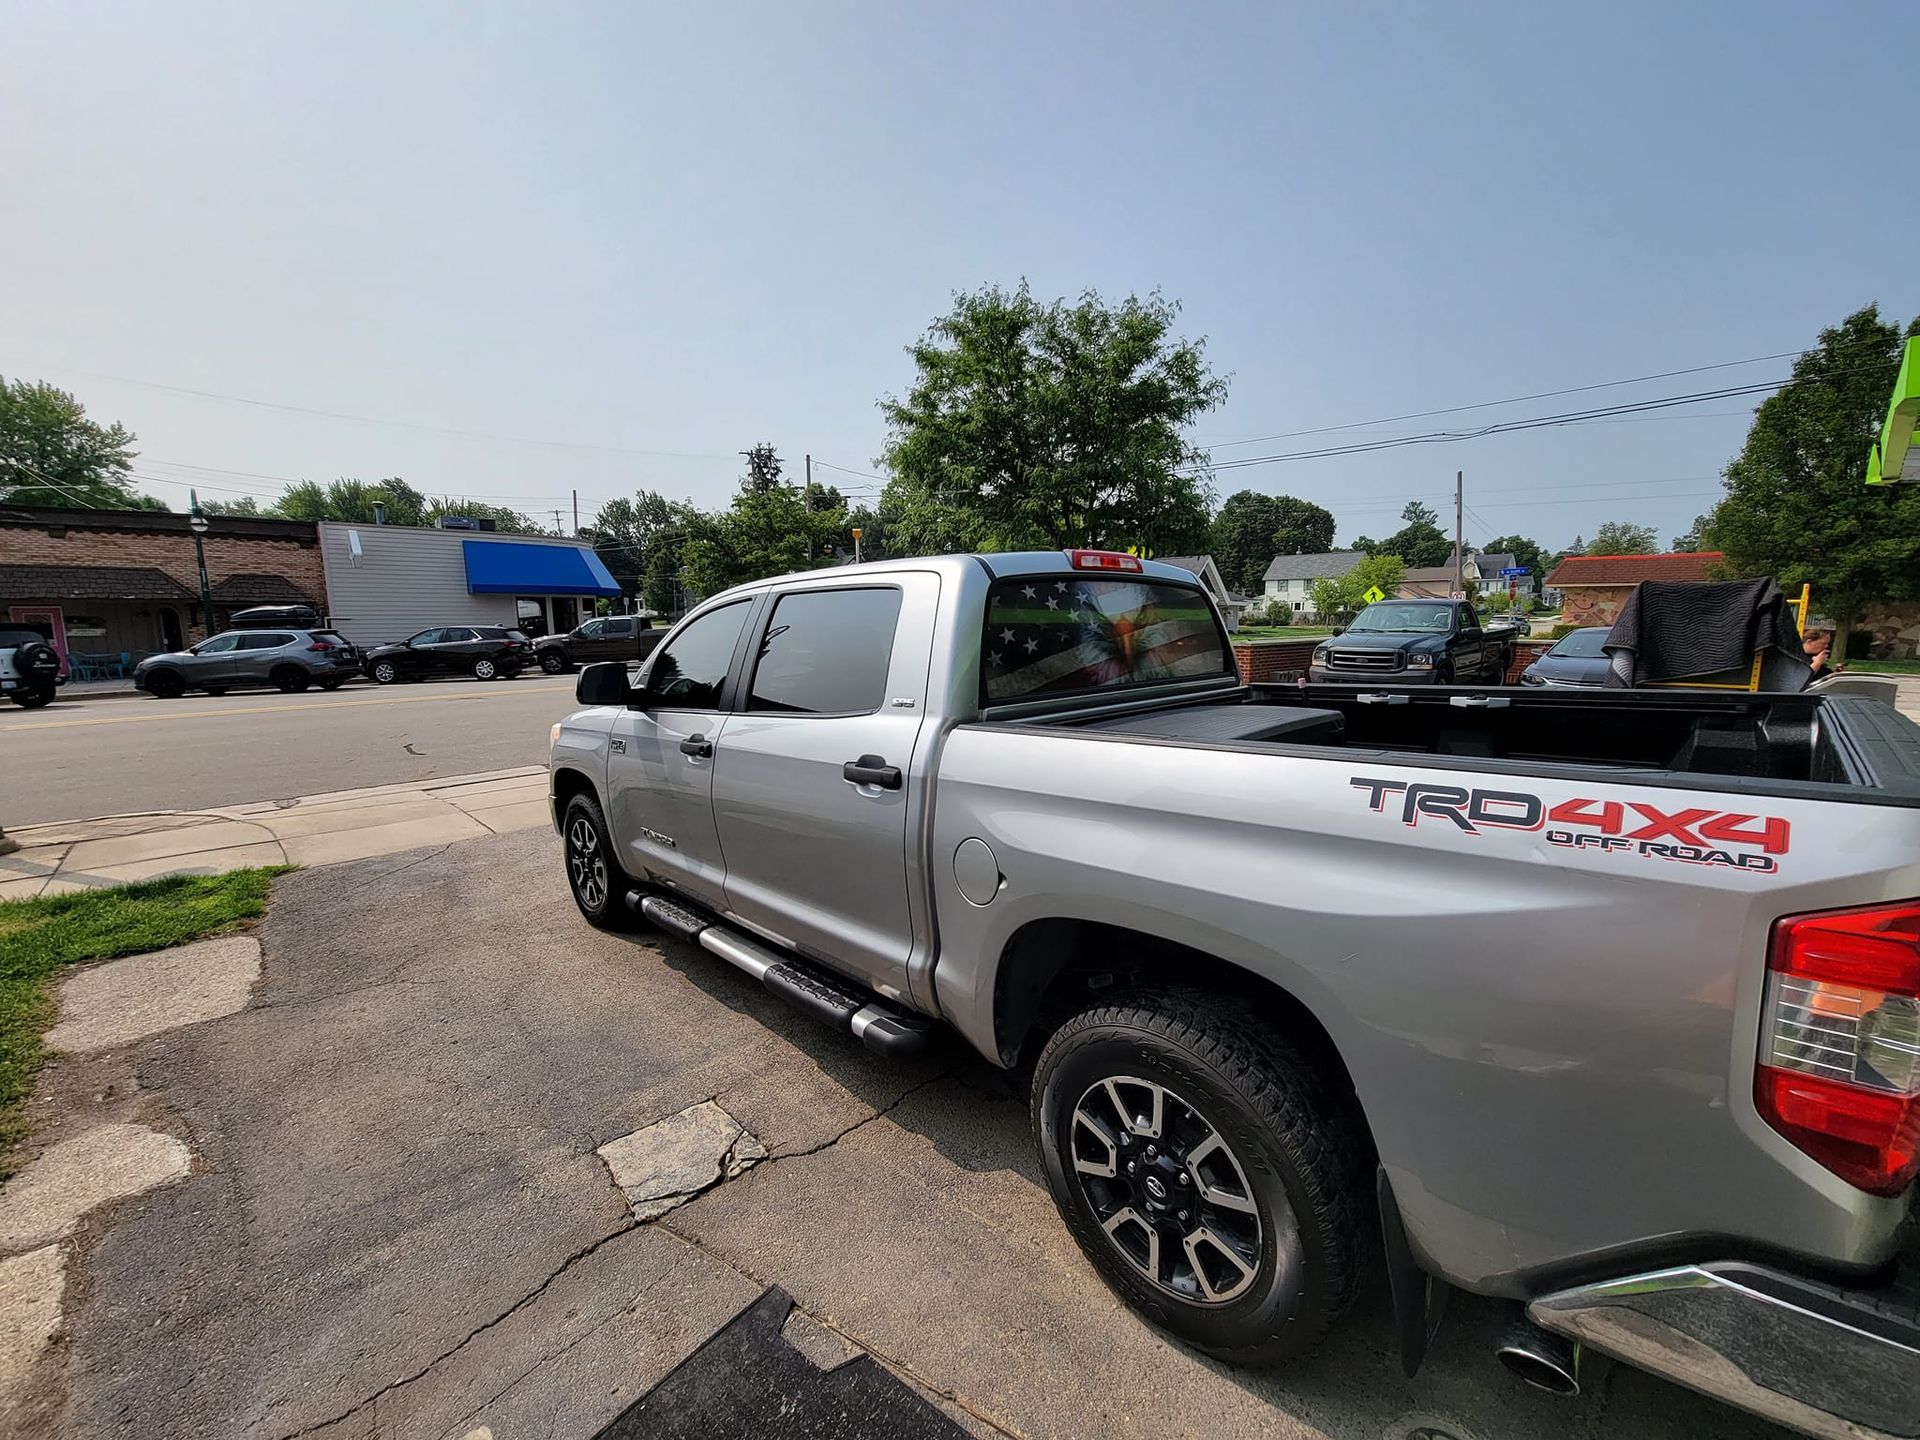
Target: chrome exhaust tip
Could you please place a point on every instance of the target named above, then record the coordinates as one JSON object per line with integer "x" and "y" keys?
{"x": 1543, "y": 1359}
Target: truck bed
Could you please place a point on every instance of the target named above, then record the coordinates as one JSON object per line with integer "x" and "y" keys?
{"x": 1782, "y": 743}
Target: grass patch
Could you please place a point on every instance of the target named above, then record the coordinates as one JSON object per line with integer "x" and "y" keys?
{"x": 1260, "y": 633}
{"x": 40, "y": 937}
{"x": 1884, "y": 667}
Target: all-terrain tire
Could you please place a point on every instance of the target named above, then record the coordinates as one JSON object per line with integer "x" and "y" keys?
{"x": 1294, "y": 1132}
{"x": 601, "y": 896}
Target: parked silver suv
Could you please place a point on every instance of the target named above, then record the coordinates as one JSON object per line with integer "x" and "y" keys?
{"x": 288, "y": 660}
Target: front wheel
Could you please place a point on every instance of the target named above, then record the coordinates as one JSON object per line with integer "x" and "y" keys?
{"x": 166, "y": 685}
{"x": 1207, "y": 1170}
{"x": 383, "y": 672}
{"x": 594, "y": 876}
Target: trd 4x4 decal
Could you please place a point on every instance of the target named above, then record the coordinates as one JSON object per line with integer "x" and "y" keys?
{"x": 1691, "y": 835}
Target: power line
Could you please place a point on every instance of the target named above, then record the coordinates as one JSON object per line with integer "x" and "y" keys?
{"x": 1493, "y": 404}
{"x": 381, "y": 420}
{"x": 864, "y": 475}
{"x": 1448, "y": 437}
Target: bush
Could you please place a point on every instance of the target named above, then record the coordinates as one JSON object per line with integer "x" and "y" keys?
{"x": 1560, "y": 632}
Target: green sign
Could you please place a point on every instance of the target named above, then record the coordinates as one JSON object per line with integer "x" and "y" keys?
{"x": 1895, "y": 460}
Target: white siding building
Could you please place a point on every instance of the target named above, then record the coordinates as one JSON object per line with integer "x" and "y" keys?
{"x": 1290, "y": 577}
{"x": 386, "y": 582}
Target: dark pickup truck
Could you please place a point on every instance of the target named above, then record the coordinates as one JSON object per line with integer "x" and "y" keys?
{"x": 1416, "y": 642}
{"x": 611, "y": 637}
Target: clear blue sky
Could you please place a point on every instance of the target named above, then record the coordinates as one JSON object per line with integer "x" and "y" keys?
{"x": 680, "y": 230}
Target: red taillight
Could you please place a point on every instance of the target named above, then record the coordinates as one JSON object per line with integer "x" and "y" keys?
{"x": 1104, "y": 560}
{"x": 321, "y": 646}
{"x": 1839, "y": 1066}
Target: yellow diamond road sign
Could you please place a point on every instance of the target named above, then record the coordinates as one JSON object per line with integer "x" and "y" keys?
{"x": 1374, "y": 592}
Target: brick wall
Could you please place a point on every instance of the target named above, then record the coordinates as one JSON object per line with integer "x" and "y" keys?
{"x": 1277, "y": 662}
{"x": 1524, "y": 654}
{"x": 293, "y": 555}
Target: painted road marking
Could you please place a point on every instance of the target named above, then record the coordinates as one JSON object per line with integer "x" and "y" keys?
{"x": 546, "y": 693}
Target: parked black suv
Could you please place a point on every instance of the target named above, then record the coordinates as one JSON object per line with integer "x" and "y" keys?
{"x": 611, "y": 637}
{"x": 486, "y": 652}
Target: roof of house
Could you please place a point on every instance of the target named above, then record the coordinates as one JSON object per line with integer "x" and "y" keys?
{"x": 1328, "y": 565}
{"x": 1196, "y": 563}
{"x": 1492, "y": 565}
{"x": 89, "y": 582}
{"x": 260, "y": 590}
{"x": 1632, "y": 569}
{"x": 1428, "y": 574}
{"x": 257, "y": 527}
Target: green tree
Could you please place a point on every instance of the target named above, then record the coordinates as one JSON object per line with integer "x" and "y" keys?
{"x": 770, "y": 529}
{"x": 1338, "y": 600}
{"x": 639, "y": 540}
{"x": 1052, "y": 425}
{"x": 1302, "y": 528}
{"x": 245, "y": 505}
{"x": 1418, "y": 542}
{"x": 1621, "y": 537}
{"x": 1240, "y": 539}
{"x": 352, "y": 501}
{"x": 52, "y": 454}
{"x": 1796, "y": 507}
{"x": 1694, "y": 538}
{"x": 1526, "y": 553}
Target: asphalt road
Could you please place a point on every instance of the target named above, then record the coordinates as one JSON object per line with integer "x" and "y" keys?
{"x": 110, "y": 755}
{"x": 399, "y": 1226}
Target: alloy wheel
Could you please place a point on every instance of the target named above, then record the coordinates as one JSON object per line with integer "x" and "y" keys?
{"x": 1166, "y": 1189}
{"x": 483, "y": 670}
{"x": 586, "y": 863}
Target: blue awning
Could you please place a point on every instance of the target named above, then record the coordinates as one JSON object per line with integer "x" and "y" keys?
{"x": 515, "y": 567}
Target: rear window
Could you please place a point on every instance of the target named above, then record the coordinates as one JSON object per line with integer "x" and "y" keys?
{"x": 332, "y": 637}
{"x": 1054, "y": 637}
{"x": 1581, "y": 645}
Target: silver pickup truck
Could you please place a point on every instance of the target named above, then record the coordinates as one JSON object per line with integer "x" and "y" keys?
{"x": 1607, "y": 1003}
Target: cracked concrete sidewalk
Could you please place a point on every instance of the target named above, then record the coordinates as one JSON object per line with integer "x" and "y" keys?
{"x": 322, "y": 829}
{"x": 402, "y": 1223}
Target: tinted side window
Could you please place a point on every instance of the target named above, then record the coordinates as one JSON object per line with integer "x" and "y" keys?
{"x": 826, "y": 652}
{"x": 265, "y": 640}
{"x": 426, "y": 637}
{"x": 688, "y": 674}
{"x": 612, "y": 628}
{"x": 220, "y": 644}
{"x": 592, "y": 630}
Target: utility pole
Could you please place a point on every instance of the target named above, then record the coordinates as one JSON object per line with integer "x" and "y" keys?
{"x": 1459, "y": 547}
{"x": 806, "y": 504}
{"x": 576, "y": 514}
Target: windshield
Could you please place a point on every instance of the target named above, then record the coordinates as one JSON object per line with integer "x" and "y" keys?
{"x": 1424, "y": 617}
{"x": 1052, "y": 637}
{"x": 1581, "y": 645}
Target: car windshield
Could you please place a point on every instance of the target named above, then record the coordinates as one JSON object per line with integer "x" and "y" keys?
{"x": 1581, "y": 645}
{"x": 1392, "y": 616}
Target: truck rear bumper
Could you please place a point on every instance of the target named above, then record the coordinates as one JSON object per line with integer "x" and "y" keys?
{"x": 1822, "y": 1359}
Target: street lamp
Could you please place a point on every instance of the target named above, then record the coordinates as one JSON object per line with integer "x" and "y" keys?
{"x": 199, "y": 524}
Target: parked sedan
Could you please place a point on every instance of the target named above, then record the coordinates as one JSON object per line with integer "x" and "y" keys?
{"x": 486, "y": 652}
{"x": 1575, "y": 661}
{"x": 288, "y": 660}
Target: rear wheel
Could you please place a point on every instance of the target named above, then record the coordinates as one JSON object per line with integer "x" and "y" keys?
{"x": 290, "y": 679}
{"x": 485, "y": 669}
{"x": 1207, "y": 1170}
{"x": 384, "y": 672}
{"x": 553, "y": 662}
{"x": 594, "y": 876}
{"x": 166, "y": 684}
{"x": 34, "y": 698}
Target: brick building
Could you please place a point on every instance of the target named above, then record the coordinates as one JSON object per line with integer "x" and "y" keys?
{"x": 120, "y": 582}
{"x": 1594, "y": 587}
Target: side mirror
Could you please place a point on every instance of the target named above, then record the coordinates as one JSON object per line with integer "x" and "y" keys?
{"x": 1339, "y": 629}
{"x": 603, "y": 684}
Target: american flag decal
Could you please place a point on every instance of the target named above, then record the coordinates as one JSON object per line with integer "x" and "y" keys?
{"x": 1048, "y": 636}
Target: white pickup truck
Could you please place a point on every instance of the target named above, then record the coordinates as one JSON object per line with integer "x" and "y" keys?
{"x": 1604, "y": 1002}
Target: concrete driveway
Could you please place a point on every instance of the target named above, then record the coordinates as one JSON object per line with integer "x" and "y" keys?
{"x": 398, "y": 1223}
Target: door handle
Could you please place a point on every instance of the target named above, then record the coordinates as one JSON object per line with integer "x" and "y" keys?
{"x": 871, "y": 770}
{"x": 697, "y": 746}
